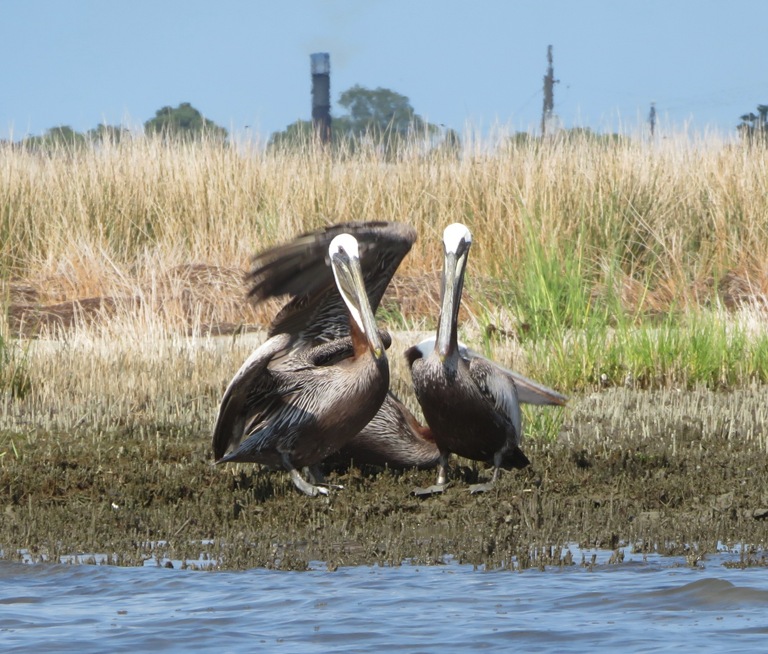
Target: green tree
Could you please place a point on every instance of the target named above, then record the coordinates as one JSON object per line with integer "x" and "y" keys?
{"x": 62, "y": 137}
{"x": 107, "y": 134}
{"x": 382, "y": 116}
{"x": 296, "y": 134}
{"x": 184, "y": 122}
{"x": 754, "y": 127}
{"x": 379, "y": 112}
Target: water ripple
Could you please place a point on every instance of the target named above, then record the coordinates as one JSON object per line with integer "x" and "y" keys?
{"x": 642, "y": 605}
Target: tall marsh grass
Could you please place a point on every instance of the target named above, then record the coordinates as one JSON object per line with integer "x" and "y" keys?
{"x": 594, "y": 262}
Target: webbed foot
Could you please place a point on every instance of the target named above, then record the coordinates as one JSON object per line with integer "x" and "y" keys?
{"x": 435, "y": 489}
{"x": 305, "y": 487}
{"x": 317, "y": 478}
{"x": 481, "y": 488}
{"x": 302, "y": 484}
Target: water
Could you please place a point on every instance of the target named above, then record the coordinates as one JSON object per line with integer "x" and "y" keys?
{"x": 640, "y": 605}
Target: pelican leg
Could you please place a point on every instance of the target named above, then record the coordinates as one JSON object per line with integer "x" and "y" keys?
{"x": 482, "y": 488}
{"x": 317, "y": 477}
{"x": 442, "y": 478}
{"x": 302, "y": 484}
{"x": 315, "y": 474}
{"x": 442, "y": 468}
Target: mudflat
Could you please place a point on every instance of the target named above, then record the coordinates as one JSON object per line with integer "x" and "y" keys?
{"x": 675, "y": 472}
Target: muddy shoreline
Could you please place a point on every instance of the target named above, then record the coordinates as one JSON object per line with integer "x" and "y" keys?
{"x": 668, "y": 472}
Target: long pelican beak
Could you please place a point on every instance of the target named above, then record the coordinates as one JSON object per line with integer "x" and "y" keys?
{"x": 456, "y": 240}
{"x": 345, "y": 262}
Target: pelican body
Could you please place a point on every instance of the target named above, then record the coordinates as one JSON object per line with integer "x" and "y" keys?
{"x": 315, "y": 316}
{"x": 471, "y": 404}
{"x": 393, "y": 438}
{"x": 292, "y": 406}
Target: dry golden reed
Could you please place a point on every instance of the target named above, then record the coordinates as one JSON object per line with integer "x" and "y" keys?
{"x": 128, "y": 249}
{"x": 668, "y": 223}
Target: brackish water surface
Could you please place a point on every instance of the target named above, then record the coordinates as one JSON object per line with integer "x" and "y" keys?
{"x": 667, "y": 491}
{"x": 640, "y": 603}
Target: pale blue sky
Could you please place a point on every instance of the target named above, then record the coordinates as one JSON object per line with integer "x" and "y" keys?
{"x": 460, "y": 62}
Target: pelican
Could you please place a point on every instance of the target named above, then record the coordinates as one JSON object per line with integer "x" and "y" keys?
{"x": 394, "y": 438}
{"x": 471, "y": 404}
{"x": 293, "y": 403}
{"x": 315, "y": 315}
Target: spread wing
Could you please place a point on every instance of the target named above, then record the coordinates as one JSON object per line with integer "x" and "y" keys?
{"x": 316, "y": 313}
{"x": 249, "y": 389}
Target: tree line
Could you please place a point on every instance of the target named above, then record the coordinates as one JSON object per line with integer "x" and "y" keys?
{"x": 753, "y": 127}
{"x": 379, "y": 117}
{"x": 174, "y": 123}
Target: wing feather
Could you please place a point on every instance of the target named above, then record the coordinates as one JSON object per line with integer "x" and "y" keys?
{"x": 529, "y": 391}
{"x": 499, "y": 390}
{"x": 316, "y": 312}
{"x": 251, "y": 385}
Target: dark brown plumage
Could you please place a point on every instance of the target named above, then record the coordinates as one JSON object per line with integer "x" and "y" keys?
{"x": 394, "y": 437}
{"x": 293, "y": 403}
{"x": 316, "y": 313}
{"x": 471, "y": 404}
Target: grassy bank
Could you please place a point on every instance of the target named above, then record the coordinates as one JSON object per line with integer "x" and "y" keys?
{"x": 108, "y": 453}
{"x": 627, "y": 274}
{"x": 675, "y": 473}
{"x": 602, "y": 262}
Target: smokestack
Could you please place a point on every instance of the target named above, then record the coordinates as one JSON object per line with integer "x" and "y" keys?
{"x": 321, "y": 95}
{"x": 548, "y": 117}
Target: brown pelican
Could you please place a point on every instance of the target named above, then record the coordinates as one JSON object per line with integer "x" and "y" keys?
{"x": 316, "y": 313}
{"x": 471, "y": 404}
{"x": 394, "y": 437}
{"x": 291, "y": 405}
